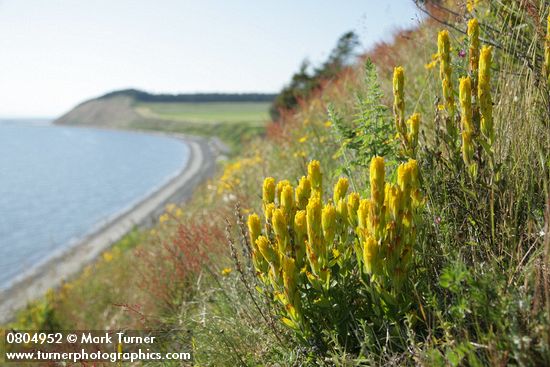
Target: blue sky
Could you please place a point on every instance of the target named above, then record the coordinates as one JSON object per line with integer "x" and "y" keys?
{"x": 57, "y": 53}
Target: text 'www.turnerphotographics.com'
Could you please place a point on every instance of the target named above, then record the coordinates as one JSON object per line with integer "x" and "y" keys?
{"x": 100, "y": 346}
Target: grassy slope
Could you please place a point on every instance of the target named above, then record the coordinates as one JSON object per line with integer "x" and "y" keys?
{"x": 233, "y": 122}
{"x": 255, "y": 113}
{"x": 482, "y": 299}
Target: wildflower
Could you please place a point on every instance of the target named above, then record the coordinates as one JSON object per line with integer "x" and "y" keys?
{"x": 300, "y": 230}
{"x": 473, "y": 40}
{"x": 254, "y": 228}
{"x": 413, "y": 124}
{"x": 465, "y": 93}
{"x": 340, "y": 189}
{"x": 328, "y": 221}
{"x": 279, "y": 189}
{"x": 461, "y": 53}
{"x": 377, "y": 176}
{"x": 107, "y": 256}
{"x": 315, "y": 177}
{"x": 430, "y": 65}
{"x": 267, "y": 250}
{"x": 290, "y": 284}
{"x": 399, "y": 99}
{"x": 303, "y": 192}
{"x": 445, "y": 71}
{"x": 484, "y": 93}
{"x": 164, "y": 218}
{"x": 170, "y": 207}
{"x": 370, "y": 252}
{"x": 178, "y": 213}
{"x": 269, "y": 208}
{"x": 467, "y": 148}
{"x": 353, "y": 205}
{"x": 328, "y": 123}
{"x": 287, "y": 201}
{"x": 281, "y": 230}
{"x": 268, "y": 190}
{"x": 303, "y": 139}
{"x": 226, "y": 271}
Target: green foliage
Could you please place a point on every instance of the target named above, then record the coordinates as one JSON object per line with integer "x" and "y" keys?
{"x": 370, "y": 133}
{"x": 303, "y": 83}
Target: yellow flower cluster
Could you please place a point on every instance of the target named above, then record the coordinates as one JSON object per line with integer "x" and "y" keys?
{"x": 484, "y": 94}
{"x": 465, "y": 93}
{"x": 303, "y": 238}
{"x": 476, "y": 105}
{"x": 445, "y": 71}
{"x": 230, "y": 178}
{"x": 473, "y": 49}
{"x": 407, "y": 132}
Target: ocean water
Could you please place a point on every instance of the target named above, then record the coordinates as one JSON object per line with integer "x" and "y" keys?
{"x": 58, "y": 184}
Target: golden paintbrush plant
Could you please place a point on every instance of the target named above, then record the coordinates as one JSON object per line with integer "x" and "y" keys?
{"x": 306, "y": 246}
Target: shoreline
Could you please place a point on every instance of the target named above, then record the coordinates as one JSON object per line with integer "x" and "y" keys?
{"x": 61, "y": 267}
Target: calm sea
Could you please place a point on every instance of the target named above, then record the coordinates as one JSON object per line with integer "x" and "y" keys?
{"x": 58, "y": 184}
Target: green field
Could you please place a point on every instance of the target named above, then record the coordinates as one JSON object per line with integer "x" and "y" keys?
{"x": 233, "y": 122}
{"x": 254, "y": 113}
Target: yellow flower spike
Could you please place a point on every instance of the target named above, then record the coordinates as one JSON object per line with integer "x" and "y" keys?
{"x": 290, "y": 284}
{"x": 377, "y": 177}
{"x": 473, "y": 40}
{"x": 269, "y": 211}
{"x": 445, "y": 70}
{"x": 254, "y": 228}
{"x": 465, "y": 92}
{"x": 303, "y": 192}
{"x": 328, "y": 221}
{"x": 363, "y": 213}
{"x": 407, "y": 177}
{"x": 399, "y": 99}
{"x": 287, "y": 202}
{"x": 300, "y": 230}
{"x": 281, "y": 230}
{"x": 484, "y": 93}
{"x": 467, "y": 148}
{"x": 267, "y": 251}
{"x": 413, "y": 167}
{"x": 413, "y": 124}
{"x": 395, "y": 203}
{"x": 314, "y": 230}
{"x": 342, "y": 210}
{"x": 279, "y": 190}
{"x": 268, "y": 191}
{"x": 370, "y": 253}
{"x": 353, "y": 205}
{"x": 340, "y": 189}
{"x": 315, "y": 177}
